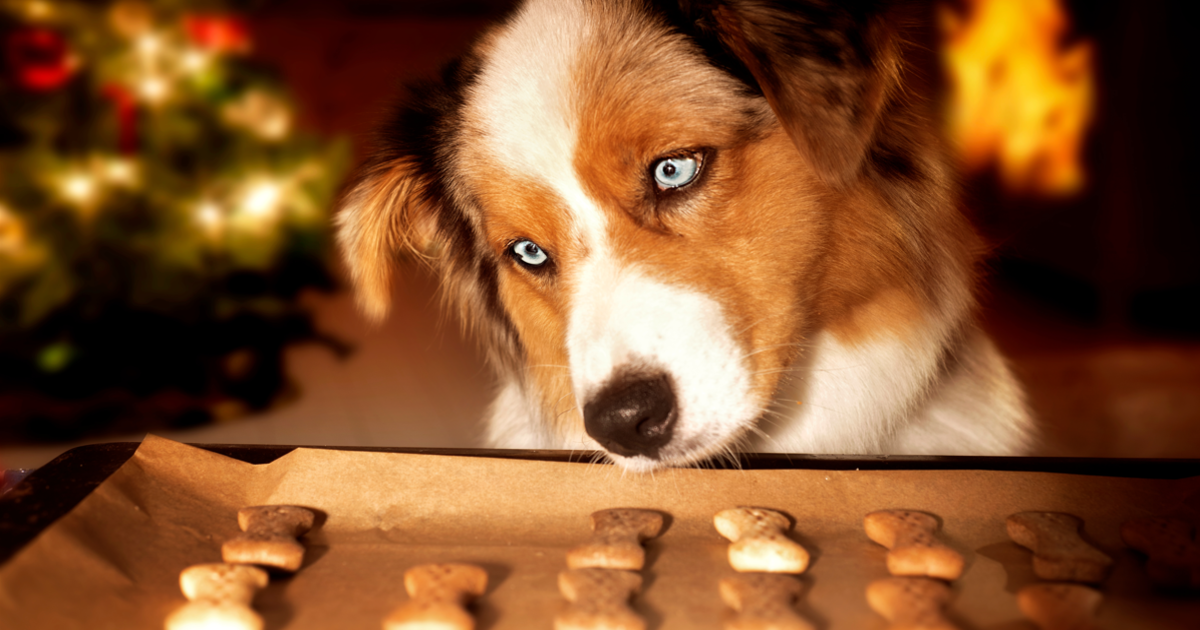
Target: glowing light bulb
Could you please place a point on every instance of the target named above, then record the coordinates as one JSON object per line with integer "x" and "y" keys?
{"x": 12, "y": 231}
{"x": 149, "y": 45}
{"x": 276, "y": 127}
{"x": 120, "y": 171}
{"x": 39, "y": 9}
{"x": 79, "y": 188}
{"x": 262, "y": 199}
{"x": 210, "y": 217}
{"x": 194, "y": 60}
{"x": 154, "y": 89}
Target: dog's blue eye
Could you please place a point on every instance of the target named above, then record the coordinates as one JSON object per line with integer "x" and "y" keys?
{"x": 529, "y": 253}
{"x": 674, "y": 172}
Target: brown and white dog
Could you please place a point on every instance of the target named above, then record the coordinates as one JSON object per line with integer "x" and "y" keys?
{"x": 689, "y": 229}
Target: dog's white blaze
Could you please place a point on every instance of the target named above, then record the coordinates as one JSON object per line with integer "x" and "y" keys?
{"x": 521, "y": 108}
{"x": 521, "y": 100}
{"x": 622, "y": 318}
{"x": 522, "y": 104}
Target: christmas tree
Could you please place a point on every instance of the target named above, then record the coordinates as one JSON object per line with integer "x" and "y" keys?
{"x": 159, "y": 214}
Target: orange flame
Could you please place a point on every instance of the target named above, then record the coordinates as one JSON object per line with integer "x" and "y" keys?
{"x": 1019, "y": 98}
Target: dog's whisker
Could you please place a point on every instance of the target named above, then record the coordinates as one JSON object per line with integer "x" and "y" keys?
{"x": 840, "y": 368}
{"x": 730, "y": 453}
{"x": 802, "y": 345}
{"x": 756, "y": 322}
{"x": 779, "y": 370}
{"x": 774, "y": 409}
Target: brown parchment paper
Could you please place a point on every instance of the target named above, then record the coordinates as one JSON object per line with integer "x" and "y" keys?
{"x": 114, "y": 561}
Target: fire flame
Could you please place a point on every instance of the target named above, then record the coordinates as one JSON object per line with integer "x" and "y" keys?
{"x": 1020, "y": 99}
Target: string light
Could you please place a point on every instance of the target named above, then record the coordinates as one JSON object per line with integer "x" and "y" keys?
{"x": 154, "y": 89}
{"x": 263, "y": 114}
{"x": 79, "y": 188}
{"x": 194, "y": 61}
{"x": 262, "y": 199}
{"x": 210, "y": 217}
{"x": 120, "y": 171}
{"x": 12, "y": 231}
{"x": 276, "y": 127}
{"x": 149, "y": 45}
{"x": 38, "y": 9}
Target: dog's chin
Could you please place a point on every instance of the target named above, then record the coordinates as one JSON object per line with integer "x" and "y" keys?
{"x": 677, "y": 456}
{"x": 637, "y": 463}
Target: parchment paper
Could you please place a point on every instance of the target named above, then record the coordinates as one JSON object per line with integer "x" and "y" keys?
{"x": 114, "y": 561}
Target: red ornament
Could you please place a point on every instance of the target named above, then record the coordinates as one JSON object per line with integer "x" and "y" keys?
{"x": 40, "y": 58}
{"x": 218, "y": 33}
{"x": 126, "y": 110}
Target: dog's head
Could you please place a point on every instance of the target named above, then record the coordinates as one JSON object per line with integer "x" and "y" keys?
{"x": 643, "y": 210}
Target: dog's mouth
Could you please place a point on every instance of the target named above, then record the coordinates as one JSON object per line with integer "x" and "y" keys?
{"x": 677, "y": 454}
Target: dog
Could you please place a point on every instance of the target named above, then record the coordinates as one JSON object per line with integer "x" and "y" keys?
{"x": 685, "y": 230}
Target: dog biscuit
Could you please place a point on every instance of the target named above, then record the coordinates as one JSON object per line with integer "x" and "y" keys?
{"x": 1059, "y": 554}
{"x": 763, "y": 601}
{"x": 1059, "y": 606}
{"x": 599, "y": 600}
{"x": 269, "y": 536}
{"x": 758, "y": 541}
{"x": 911, "y": 603}
{"x": 1173, "y": 555}
{"x": 219, "y": 597}
{"x": 616, "y": 540}
{"x": 912, "y": 548}
{"x": 438, "y": 595}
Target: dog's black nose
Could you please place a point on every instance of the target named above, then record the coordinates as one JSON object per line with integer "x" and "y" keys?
{"x": 632, "y": 415}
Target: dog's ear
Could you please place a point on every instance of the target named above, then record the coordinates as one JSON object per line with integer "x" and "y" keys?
{"x": 826, "y": 68}
{"x": 386, "y": 210}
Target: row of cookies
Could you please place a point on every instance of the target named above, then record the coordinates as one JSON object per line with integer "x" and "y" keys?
{"x": 603, "y": 574}
{"x": 220, "y": 595}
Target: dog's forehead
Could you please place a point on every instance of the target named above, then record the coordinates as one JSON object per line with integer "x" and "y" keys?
{"x": 519, "y": 110}
{"x": 575, "y": 97}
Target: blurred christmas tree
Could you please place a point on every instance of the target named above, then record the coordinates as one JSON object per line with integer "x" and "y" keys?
{"x": 158, "y": 217}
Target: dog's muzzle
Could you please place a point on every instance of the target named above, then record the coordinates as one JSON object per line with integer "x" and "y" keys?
{"x": 633, "y": 414}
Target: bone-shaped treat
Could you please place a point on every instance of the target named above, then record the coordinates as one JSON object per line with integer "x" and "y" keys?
{"x": 439, "y": 594}
{"x": 911, "y": 602}
{"x": 269, "y": 536}
{"x": 1059, "y": 554}
{"x": 1172, "y": 549}
{"x": 1059, "y": 606}
{"x": 758, "y": 541}
{"x": 763, "y": 601}
{"x": 219, "y": 596}
{"x": 913, "y": 550}
{"x": 617, "y": 540}
{"x": 599, "y": 600}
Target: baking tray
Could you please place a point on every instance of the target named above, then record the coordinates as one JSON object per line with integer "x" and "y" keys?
{"x": 126, "y": 534}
